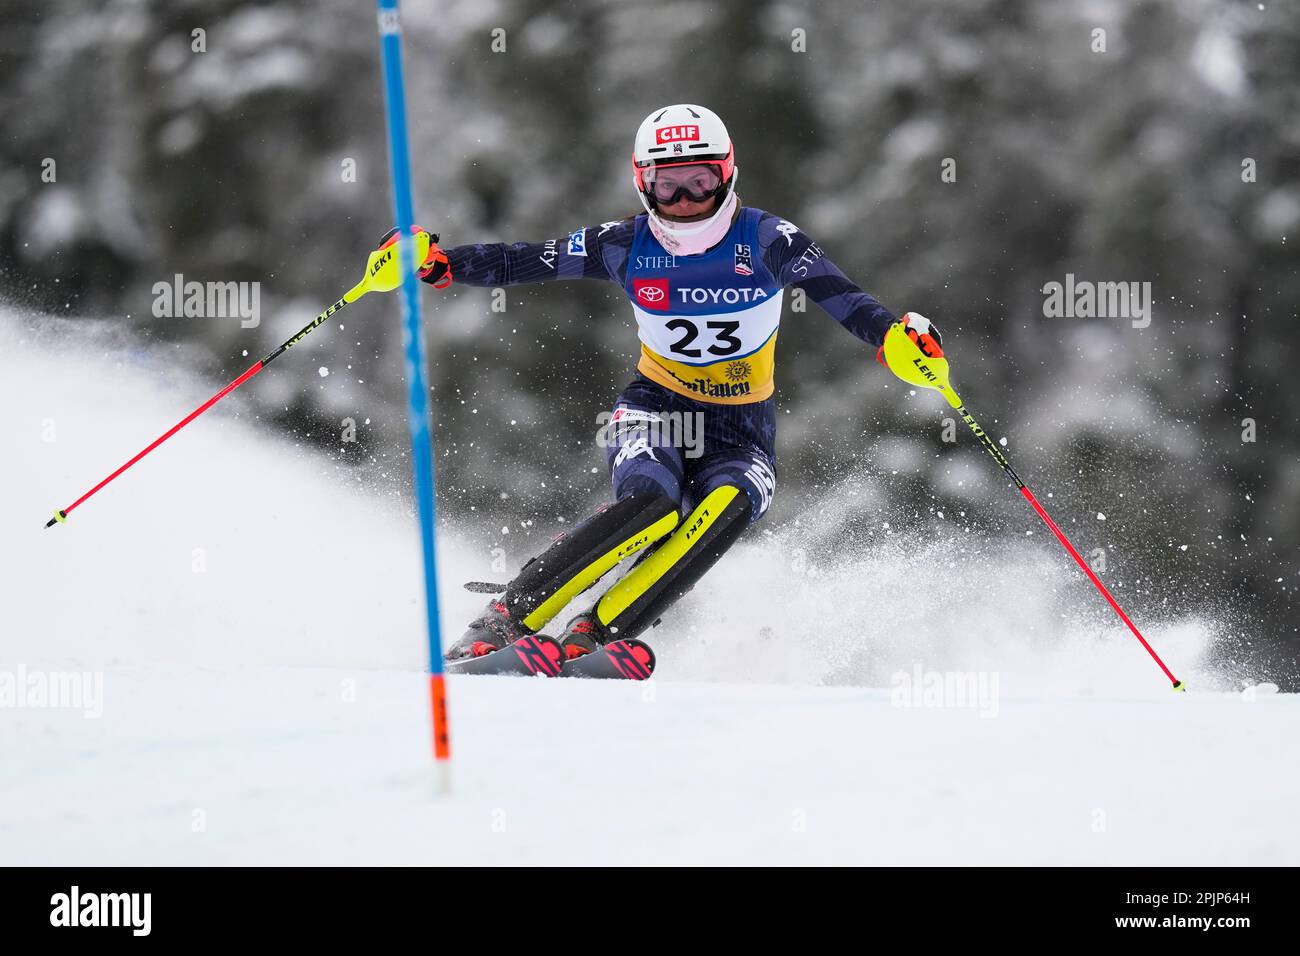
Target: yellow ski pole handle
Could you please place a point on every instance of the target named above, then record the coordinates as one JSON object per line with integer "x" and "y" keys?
{"x": 382, "y": 275}
{"x": 906, "y": 360}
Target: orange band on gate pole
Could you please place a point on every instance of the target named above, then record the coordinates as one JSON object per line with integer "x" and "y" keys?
{"x": 438, "y": 702}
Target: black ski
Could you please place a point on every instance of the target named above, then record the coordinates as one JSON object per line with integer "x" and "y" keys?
{"x": 628, "y": 659}
{"x": 534, "y": 654}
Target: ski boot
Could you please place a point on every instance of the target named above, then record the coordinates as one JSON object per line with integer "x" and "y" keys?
{"x": 583, "y": 635}
{"x": 491, "y": 632}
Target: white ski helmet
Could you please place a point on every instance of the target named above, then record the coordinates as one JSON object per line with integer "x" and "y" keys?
{"x": 676, "y": 136}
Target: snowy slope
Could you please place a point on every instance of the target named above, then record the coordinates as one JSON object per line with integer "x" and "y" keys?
{"x": 282, "y": 770}
{"x": 253, "y": 620}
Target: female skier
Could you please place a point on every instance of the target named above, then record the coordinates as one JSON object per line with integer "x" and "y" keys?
{"x": 706, "y": 278}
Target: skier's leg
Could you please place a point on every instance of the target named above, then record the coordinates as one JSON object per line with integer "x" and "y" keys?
{"x": 574, "y": 562}
{"x": 646, "y": 473}
{"x": 577, "y": 560}
{"x": 734, "y": 490}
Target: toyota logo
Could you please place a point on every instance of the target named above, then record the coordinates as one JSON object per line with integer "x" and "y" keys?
{"x": 650, "y": 293}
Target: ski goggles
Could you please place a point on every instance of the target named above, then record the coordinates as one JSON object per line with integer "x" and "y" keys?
{"x": 668, "y": 184}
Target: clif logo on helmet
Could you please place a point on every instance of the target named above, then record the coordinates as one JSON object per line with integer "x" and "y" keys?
{"x": 674, "y": 134}
{"x": 680, "y": 135}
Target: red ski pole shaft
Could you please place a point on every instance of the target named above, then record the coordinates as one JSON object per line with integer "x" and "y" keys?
{"x": 902, "y": 353}
{"x": 1001, "y": 459}
{"x": 62, "y": 515}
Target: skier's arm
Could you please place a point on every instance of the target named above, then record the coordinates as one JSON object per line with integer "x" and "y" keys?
{"x": 796, "y": 260}
{"x": 594, "y": 252}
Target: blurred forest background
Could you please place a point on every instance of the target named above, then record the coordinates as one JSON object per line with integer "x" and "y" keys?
{"x": 1124, "y": 165}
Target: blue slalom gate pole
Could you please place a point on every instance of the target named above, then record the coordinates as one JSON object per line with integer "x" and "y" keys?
{"x": 390, "y": 42}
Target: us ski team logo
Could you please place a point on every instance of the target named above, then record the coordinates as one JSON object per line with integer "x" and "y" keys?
{"x": 744, "y": 262}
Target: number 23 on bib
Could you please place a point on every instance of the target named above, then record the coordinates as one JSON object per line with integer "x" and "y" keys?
{"x": 707, "y": 323}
